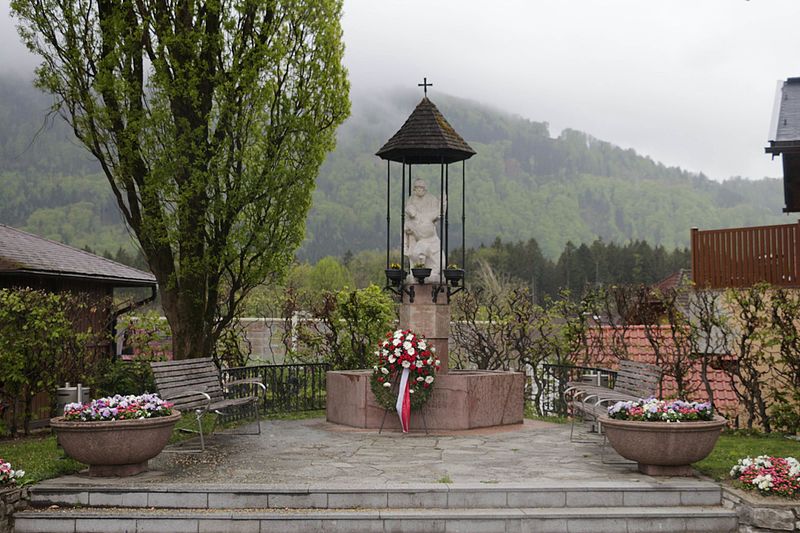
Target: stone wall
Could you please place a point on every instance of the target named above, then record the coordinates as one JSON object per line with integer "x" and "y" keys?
{"x": 758, "y": 514}
{"x": 12, "y": 499}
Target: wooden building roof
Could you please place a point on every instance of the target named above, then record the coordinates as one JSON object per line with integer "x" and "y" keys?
{"x": 425, "y": 138}
{"x": 25, "y": 254}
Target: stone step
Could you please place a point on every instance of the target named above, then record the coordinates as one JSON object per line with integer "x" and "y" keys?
{"x": 693, "y": 519}
{"x": 670, "y": 493}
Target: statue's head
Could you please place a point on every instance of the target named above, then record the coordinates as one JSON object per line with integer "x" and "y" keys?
{"x": 420, "y": 187}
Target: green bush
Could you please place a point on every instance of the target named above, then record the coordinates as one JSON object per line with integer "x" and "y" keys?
{"x": 40, "y": 346}
{"x": 347, "y": 327}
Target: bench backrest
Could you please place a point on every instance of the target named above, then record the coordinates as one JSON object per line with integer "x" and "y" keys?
{"x": 176, "y": 379}
{"x": 637, "y": 379}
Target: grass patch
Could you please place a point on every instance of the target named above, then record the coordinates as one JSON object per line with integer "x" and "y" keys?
{"x": 445, "y": 479}
{"x": 39, "y": 457}
{"x": 531, "y": 414}
{"x": 733, "y": 446}
{"x": 298, "y": 415}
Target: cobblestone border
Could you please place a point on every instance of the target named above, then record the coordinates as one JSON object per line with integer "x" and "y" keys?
{"x": 12, "y": 499}
{"x": 758, "y": 514}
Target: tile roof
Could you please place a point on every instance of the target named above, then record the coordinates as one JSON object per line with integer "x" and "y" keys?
{"x": 25, "y": 253}
{"x": 638, "y": 348}
{"x": 426, "y": 137}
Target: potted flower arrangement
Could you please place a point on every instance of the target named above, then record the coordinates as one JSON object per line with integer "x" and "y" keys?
{"x": 117, "y": 435}
{"x": 663, "y": 437}
{"x": 9, "y": 476}
{"x": 453, "y": 274}
{"x": 394, "y": 274}
{"x": 404, "y": 352}
{"x": 768, "y": 475}
{"x": 420, "y": 272}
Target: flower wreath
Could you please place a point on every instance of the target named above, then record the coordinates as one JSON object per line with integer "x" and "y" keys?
{"x": 400, "y": 350}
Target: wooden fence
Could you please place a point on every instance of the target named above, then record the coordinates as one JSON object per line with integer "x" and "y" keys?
{"x": 741, "y": 257}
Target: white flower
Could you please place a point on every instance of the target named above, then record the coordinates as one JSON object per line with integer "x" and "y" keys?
{"x": 392, "y": 359}
{"x": 409, "y": 337}
{"x": 396, "y": 341}
{"x": 384, "y": 352}
{"x": 437, "y": 362}
{"x": 407, "y": 345}
{"x": 430, "y": 360}
{"x": 420, "y": 378}
{"x": 375, "y": 368}
{"x": 384, "y": 370}
{"x": 411, "y": 391}
{"x": 422, "y": 345}
{"x": 398, "y": 333}
{"x": 763, "y": 482}
{"x": 410, "y": 351}
{"x": 406, "y": 364}
{"x": 429, "y": 379}
{"x": 387, "y": 384}
{"x": 398, "y": 352}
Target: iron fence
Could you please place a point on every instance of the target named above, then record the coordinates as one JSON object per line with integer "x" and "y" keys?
{"x": 290, "y": 388}
{"x": 556, "y": 378}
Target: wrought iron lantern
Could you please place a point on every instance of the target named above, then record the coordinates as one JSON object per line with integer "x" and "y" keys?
{"x": 426, "y": 138}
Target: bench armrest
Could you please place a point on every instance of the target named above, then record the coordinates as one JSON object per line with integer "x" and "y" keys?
{"x": 203, "y": 409}
{"x": 253, "y": 381}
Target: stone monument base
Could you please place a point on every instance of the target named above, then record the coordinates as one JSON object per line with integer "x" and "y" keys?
{"x": 461, "y": 399}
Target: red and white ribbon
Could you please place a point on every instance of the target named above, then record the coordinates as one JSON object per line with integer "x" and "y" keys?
{"x": 403, "y": 404}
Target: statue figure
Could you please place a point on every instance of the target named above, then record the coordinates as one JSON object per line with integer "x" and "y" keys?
{"x": 422, "y": 244}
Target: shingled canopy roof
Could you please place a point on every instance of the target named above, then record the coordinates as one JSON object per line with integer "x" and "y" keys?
{"x": 425, "y": 138}
{"x": 25, "y": 254}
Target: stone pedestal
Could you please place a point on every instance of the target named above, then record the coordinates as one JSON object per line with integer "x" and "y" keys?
{"x": 461, "y": 399}
{"x": 428, "y": 318}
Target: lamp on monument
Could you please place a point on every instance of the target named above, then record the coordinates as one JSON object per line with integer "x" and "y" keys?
{"x": 426, "y": 138}
{"x": 785, "y": 140}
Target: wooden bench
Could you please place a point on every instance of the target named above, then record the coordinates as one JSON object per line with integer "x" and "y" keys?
{"x": 634, "y": 381}
{"x": 195, "y": 384}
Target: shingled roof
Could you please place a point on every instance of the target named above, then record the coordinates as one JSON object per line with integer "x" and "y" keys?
{"x": 785, "y": 128}
{"x": 426, "y": 137}
{"x": 22, "y": 253}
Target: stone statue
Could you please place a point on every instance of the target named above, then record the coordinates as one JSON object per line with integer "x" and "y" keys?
{"x": 422, "y": 244}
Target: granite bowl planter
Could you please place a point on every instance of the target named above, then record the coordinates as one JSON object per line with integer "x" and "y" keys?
{"x": 663, "y": 448}
{"x": 116, "y": 448}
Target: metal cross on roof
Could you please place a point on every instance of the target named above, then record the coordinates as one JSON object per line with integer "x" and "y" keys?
{"x": 425, "y": 85}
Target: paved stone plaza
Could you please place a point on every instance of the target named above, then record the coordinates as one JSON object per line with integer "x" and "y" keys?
{"x": 315, "y": 452}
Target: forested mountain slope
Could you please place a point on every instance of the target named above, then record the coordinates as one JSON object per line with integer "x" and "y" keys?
{"x": 522, "y": 184}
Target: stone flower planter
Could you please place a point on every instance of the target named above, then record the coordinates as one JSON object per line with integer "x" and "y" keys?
{"x": 116, "y": 448}
{"x": 663, "y": 448}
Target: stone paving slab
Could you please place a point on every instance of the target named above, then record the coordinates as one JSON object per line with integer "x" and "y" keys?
{"x": 303, "y": 454}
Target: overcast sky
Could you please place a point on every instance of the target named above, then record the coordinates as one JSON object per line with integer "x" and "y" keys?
{"x": 687, "y": 82}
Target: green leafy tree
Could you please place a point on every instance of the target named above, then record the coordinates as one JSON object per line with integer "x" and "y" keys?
{"x": 347, "y": 327}
{"x": 38, "y": 346}
{"x": 210, "y": 120}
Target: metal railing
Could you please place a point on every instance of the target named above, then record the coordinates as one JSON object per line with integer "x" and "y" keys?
{"x": 556, "y": 379}
{"x": 290, "y": 388}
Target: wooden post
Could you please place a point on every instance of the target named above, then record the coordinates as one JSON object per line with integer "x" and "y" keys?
{"x": 695, "y": 270}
